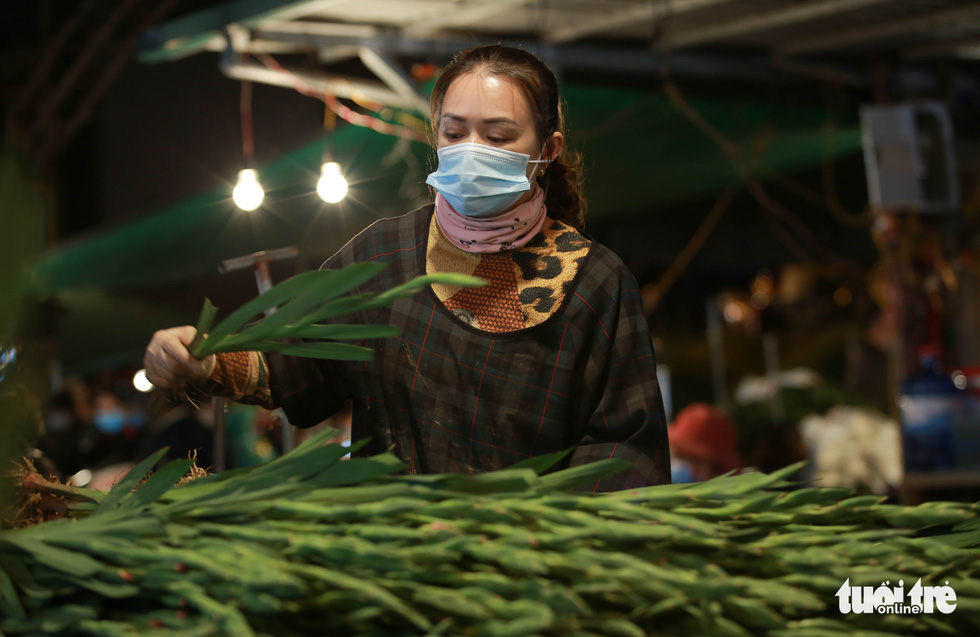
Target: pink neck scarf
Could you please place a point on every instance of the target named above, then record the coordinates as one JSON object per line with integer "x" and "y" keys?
{"x": 508, "y": 230}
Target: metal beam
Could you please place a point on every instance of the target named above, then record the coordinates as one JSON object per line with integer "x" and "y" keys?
{"x": 393, "y": 77}
{"x": 625, "y": 59}
{"x": 474, "y": 12}
{"x": 338, "y": 29}
{"x": 192, "y": 33}
{"x": 943, "y": 48}
{"x": 760, "y": 22}
{"x": 879, "y": 31}
{"x": 612, "y": 20}
{"x": 969, "y": 52}
{"x": 232, "y": 66}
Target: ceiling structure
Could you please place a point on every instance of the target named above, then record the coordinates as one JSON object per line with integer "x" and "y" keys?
{"x": 367, "y": 48}
{"x": 736, "y": 39}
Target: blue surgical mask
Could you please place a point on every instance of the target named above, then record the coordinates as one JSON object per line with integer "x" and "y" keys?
{"x": 681, "y": 471}
{"x": 109, "y": 421}
{"x": 479, "y": 180}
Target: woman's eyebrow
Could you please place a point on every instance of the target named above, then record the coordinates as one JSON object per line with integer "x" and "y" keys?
{"x": 500, "y": 120}
{"x": 490, "y": 120}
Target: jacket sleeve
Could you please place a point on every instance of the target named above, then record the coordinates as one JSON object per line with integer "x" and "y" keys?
{"x": 242, "y": 377}
{"x": 308, "y": 390}
{"x": 624, "y": 413}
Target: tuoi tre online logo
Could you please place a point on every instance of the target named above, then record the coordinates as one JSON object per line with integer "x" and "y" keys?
{"x": 885, "y": 599}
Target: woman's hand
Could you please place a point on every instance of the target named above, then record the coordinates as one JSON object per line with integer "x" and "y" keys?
{"x": 169, "y": 364}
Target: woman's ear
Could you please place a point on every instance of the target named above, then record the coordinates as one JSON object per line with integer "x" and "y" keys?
{"x": 553, "y": 146}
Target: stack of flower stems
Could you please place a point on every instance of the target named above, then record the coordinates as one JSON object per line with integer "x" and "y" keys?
{"x": 313, "y": 544}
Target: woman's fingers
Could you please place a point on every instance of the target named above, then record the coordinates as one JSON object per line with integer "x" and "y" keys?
{"x": 167, "y": 361}
{"x": 160, "y": 367}
{"x": 177, "y": 351}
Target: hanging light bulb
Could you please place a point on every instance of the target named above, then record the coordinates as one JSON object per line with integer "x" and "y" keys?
{"x": 332, "y": 187}
{"x": 248, "y": 193}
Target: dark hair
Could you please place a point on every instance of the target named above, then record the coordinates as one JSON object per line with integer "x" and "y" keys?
{"x": 562, "y": 181}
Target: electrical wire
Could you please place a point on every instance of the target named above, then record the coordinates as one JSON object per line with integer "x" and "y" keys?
{"x": 693, "y": 246}
{"x": 245, "y": 108}
{"x": 344, "y": 112}
{"x": 403, "y": 118}
{"x": 768, "y": 204}
{"x": 860, "y": 220}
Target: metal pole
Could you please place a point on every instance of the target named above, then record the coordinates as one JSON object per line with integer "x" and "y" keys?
{"x": 218, "y": 427}
{"x": 263, "y": 279}
{"x": 716, "y": 349}
{"x": 259, "y": 262}
{"x": 770, "y": 348}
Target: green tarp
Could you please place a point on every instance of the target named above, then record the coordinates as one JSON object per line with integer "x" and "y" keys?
{"x": 641, "y": 156}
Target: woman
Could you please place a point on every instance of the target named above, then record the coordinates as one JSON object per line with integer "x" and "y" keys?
{"x": 554, "y": 353}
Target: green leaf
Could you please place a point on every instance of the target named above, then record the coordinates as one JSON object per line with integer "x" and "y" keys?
{"x": 583, "y": 474}
{"x": 270, "y": 299}
{"x": 117, "y": 523}
{"x": 962, "y": 540}
{"x": 72, "y": 493}
{"x": 57, "y": 619}
{"x": 10, "y": 605}
{"x": 969, "y": 525}
{"x": 357, "y": 470}
{"x": 540, "y": 464}
{"x": 113, "y": 590}
{"x": 157, "y": 484}
{"x": 344, "y": 306}
{"x": 286, "y": 472}
{"x": 365, "y": 301}
{"x": 70, "y": 562}
{"x": 343, "y": 332}
{"x": 204, "y": 321}
{"x": 503, "y": 480}
{"x": 743, "y": 483}
{"x": 16, "y": 567}
{"x": 330, "y": 351}
{"x": 129, "y": 482}
{"x": 327, "y": 285}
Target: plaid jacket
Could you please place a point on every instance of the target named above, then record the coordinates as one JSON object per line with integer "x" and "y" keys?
{"x": 449, "y": 398}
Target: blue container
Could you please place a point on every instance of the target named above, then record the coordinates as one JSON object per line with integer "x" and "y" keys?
{"x": 967, "y": 434}
{"x": 932, "y": 408}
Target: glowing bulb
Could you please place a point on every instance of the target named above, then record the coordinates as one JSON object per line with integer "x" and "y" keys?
{"x": 332, "y": 187}
{"x": 248, "y": 193}
{"x": 960, "y": 380}
{"x": 140, "y": 381}
{"x": 81, "y": 478}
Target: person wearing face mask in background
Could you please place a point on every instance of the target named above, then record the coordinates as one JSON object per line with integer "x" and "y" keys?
{"x": 553, "y": 353}
{"x": 62, "y": 428}
{"x": 107, "y": 443}
{"x": 181, "y": 431}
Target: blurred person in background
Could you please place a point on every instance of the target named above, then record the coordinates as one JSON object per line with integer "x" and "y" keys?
{"x": 180, "y": 428}
{"x": 703, "y": 444}
{"x": 62, "y": 429}
{"x": 114, "y": 442}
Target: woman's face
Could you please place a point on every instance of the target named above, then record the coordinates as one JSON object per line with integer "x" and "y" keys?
{"x": 492, "y": 111}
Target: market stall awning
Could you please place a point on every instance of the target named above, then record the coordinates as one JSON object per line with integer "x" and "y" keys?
{"x": 640, "y": 154}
